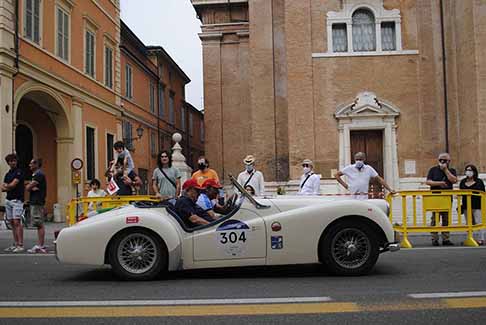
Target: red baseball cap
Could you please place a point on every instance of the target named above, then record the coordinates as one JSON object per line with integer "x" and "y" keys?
{"x": 191, "y": 183}
{"x": 210, "y": 182}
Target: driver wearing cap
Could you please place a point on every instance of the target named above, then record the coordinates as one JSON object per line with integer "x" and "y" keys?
{"x": 207, "y": 200}
{"x": 187, "y": 208}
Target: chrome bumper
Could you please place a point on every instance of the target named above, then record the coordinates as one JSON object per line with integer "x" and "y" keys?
{"x": 391, "y": 247}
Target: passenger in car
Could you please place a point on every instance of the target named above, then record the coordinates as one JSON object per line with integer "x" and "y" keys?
{"x": 208, "y": 199}
{"x": 187, "y": 208}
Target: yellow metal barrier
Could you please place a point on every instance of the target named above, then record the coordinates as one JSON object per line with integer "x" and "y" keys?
{"x": 435, "y": 202}
{"x": 80, "y": 207}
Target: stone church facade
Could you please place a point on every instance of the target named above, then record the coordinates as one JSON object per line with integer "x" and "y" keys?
{"x": 402, "y": 80}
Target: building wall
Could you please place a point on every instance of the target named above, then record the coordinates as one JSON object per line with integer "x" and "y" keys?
{"x": 296, "y": 85}
{"x": 57, "y": 99}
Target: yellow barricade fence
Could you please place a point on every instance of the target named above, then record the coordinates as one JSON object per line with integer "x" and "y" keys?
{"x": 80, "y": 207}
{"x": 419, "y": 207}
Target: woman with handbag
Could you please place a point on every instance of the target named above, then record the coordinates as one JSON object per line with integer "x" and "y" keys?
{"x": 166, "y": 180}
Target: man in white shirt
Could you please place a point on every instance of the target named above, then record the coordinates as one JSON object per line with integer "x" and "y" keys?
{"x": 310, "y": 183}
{"x": 252, "y": 177}
{"x": 359, "y": 175}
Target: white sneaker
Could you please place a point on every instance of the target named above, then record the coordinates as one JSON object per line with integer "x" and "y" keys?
{"x": 37, "y": 249}
{"x": 10, "y": 248}
{"x": 18, "y": 249}
{"x": 33, "y": 250}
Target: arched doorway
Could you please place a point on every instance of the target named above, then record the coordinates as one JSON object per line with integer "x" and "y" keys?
{"x": 24, "y": 146}
{"x": 43, "y": 112}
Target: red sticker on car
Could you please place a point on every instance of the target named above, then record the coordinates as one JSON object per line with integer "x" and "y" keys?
{"x": 132, "y": 220}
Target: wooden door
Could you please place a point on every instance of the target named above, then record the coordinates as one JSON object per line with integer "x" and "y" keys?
{"x": 371, "y": 143}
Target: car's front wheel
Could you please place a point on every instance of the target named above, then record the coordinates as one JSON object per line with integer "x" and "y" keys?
{"x": 137, "y": 254}
{"x": 349, "y": 248}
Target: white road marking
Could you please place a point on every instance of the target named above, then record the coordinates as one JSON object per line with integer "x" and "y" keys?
{"x": 180, "y": 302}
{"x": 448, "y": 294}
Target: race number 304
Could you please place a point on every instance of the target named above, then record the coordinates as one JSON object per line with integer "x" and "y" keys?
{"x": 232, "y": 237}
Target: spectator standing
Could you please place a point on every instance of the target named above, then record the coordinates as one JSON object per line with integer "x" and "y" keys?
{"x": 95, "y": 191}
{"x": 359, "y": 175}
{"x": 204, "y": 172}
{"x": 38, "y": 190}
{"x": 13, "y": 184}
{"x": 251, "y": 176}
{"x": 310, "y": 183}
{"x": 442, "y": 177}
{"x": 166, "y": 180}
{"x": 473, "y": 182}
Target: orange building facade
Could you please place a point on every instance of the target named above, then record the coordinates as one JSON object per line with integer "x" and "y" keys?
{"x": 74, "y": 80}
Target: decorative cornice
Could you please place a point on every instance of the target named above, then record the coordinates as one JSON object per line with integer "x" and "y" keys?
{"x": 366, "y": 104}
{"x": 205, "y": 37}
{"x": 199, "y": 3}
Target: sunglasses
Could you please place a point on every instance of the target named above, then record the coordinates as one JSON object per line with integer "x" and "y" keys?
{"x": 305, "y": 165}
{"x": 444, "y": 160}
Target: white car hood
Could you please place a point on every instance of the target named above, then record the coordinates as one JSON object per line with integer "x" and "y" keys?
{"x": 290, "y": 202}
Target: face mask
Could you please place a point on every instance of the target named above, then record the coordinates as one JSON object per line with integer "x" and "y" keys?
{"x": 306, "y": 170}
{"x": 201, "y": 166}
{"x": 359, "y": 164}
{"x": 469, "y": 173}
{"x": 249, "y": 168}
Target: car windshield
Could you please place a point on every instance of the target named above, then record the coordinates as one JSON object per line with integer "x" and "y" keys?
{"x": 244, "y": 194}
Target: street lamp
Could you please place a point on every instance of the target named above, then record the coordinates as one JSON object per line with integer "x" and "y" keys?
{"x": 139, "y": 131}
{"x": 128, "y": 141}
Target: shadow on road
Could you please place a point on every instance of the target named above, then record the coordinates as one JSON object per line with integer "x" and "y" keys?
{"x": 254, "y": 272}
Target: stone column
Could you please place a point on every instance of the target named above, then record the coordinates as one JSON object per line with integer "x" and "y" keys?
{"x": 7, "y": 114}
{"x": 64, "y": 183}
{"x": 77, "y": 146}
{"x": 178, "y": 159}
{"x": 213, "y": 105}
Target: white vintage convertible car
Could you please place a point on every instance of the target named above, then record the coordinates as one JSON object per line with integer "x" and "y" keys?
{"x": 144, "y": 240}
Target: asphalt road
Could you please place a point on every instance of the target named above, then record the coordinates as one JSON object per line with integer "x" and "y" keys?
{"x": 35, "y": 289}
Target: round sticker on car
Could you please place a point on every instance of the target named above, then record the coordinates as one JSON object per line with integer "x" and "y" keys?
{"x": 232, "y": 236}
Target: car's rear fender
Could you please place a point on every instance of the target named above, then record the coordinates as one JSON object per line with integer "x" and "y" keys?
{"x": 88, "y": 243}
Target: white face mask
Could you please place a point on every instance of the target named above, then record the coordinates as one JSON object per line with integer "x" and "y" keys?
{"x": 306, "y": 170}
{"x": 359, "y": 164}
{"x": 249, "y": 168}
{"x": 469, "y": 173}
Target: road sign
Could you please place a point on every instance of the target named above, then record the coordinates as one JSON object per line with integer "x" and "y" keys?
{"x": 77, "y": 164}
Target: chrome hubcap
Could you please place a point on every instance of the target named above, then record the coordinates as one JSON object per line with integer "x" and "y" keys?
{"x": 351, "y": 248}
{"x": 137, "y": 253}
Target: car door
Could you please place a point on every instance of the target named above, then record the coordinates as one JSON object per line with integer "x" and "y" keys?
{"x": 242, "y": 236}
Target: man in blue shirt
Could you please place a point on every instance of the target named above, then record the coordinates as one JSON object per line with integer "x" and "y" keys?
{"x": 38, "y": 191}
{"x": 13, "y": 184}
{"x": 208, "y": 199}
{"x": 186, "y": 206}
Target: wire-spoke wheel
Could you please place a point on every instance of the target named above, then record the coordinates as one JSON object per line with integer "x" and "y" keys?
{"x": 349, "y": 248}
{"x": 137, "y": 255}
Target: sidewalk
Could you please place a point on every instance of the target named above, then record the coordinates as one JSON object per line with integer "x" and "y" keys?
{"x": 30, "y": 236}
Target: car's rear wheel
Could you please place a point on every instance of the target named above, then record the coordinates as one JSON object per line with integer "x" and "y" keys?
{"x": 349, "y": 248}
{"x": 137, "y": 254}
